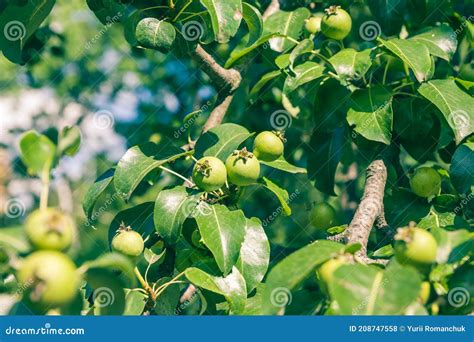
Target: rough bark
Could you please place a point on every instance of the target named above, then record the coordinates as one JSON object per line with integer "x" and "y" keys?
{"x": 369, "y": 212}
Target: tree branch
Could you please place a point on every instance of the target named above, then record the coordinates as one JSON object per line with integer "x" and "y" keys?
{"x": 368, "y": 212}
{"x": 226, "y": 81}
{"x": 272, "y": 8}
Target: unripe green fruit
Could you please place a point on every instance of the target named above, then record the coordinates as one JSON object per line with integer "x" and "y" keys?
{"x": 336, "y": 23}
{"x": 243, "y": 168}
{"x": 155, "y": 34}
{"x": 50, "y": 229}
{"x": 415, "y": 246}
{"x": 128, "y": 242}
{"x": 209, "y": 173}
{"x": 268, "y": 146}
{"x": 424, "y": 292}
{"x": 49, "y": 277}
{"x": 322, "y": 216}
{"x": 426, "y": 182}
{"x": 313, "y": 24}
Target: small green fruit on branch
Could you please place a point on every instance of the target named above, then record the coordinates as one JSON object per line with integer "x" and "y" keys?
{"x": 369, "y": 211}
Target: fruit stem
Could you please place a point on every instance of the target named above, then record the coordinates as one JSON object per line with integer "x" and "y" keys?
{"x": 145, "y": 284}
{"x": 177, "y": 175}
{"x": 45, "y": 179}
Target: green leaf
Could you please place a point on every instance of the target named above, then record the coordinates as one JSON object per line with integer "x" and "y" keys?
{"x": 18, "y": 21}
{"x": 292, "y": 270}
{"x": 403, "y": 206}
{"x": 232, "y": 287}
{"x": 172, "y": 207}
{"x": 138, "y": 162}
{"x": 325, "y": 153}
{"x": 453, "y": 246}
{"x": 441, "y": 41}
{"x": 134, "y": 303}
{"x": 168, "y": 300}
{"x": 108, "y": 291}
{"x": 288, "y": 24}
{"x": 254, "y": 22}
{"x": 254, "y": 254}
{"x": 69, "y": 141}
{"x": 223, "y": 232}
{"x": 369, "y": 290}
{"x": 221, "y": 141}
{"x": 304, "y": 73}
{"x": 350, "y": 64}
{"x": 283, "y": 165}
{"x": 14, "y": 238}
{"x": 305, "y": 46}
{"x": 37, "y": 152}
{"x": 416, "y": 126}
{"x": 94, "y": 192}
{"x": 156, "y": 34}
{"x": 413, "y": 53}
{"x": 242, "y": 49}
{"x": 371, "y": 113}
{"x": 460, "y": 170}
{"x": 280, "y": 193}
{"x": 113, "y": 261}
{"x": 226, "y": 16}
{"x": 387, "y": 13}
{"x": 456, "y": 106}
{"x": 262, "y": 83}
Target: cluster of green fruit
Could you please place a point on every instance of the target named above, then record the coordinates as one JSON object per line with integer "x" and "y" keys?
{"x": 242, "y": 167}
{"x": 48, "y": 276}
{"x": 334, "y": 24}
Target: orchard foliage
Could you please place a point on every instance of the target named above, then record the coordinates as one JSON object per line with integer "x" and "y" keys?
{"x": 340, "y": 87}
